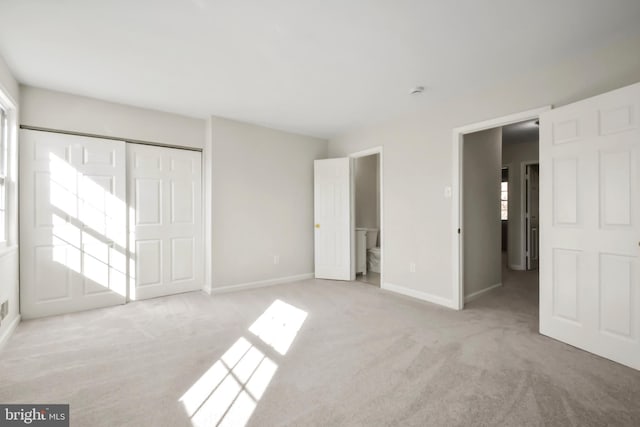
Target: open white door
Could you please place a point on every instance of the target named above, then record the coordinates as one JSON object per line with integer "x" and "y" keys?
{"x": 590, "y": 225}
{"x": 333, "y": 222}
{"x": 72, "y": 223}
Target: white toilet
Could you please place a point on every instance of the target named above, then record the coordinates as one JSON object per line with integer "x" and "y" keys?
{"x": 367, "y": 251}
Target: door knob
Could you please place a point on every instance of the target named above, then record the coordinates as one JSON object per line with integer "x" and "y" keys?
{"x": 317, "y": 225}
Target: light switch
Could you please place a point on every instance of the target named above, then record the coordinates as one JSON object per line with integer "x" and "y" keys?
{"x": 447, "y": 192}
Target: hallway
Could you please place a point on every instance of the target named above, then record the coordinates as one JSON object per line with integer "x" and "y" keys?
{"x": 519, "y": 292}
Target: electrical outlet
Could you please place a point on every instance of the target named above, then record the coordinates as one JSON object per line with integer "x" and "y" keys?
{"x": 276, "y": 259}
{"x": 4, "y": 309}
{"x": 412, "y": 267}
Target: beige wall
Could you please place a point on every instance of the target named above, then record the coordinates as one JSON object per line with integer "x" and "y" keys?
{"x": 481, "y": 226}
{"x": 513, "y": 154}
{"x": 418, "y": 157}
{"x": 258, "y": 181}
{"x": 63, "y": 111}
{"x": 262, "y": 202}
{"x": 7, "y": 82}
{"x": 367, "y": 191}
{"x": 9, "y": 285}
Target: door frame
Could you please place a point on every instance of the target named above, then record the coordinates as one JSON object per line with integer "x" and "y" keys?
{"x": 523, "y": 204}
{"x": 457, "y": 285}
{"x": 368, "y": 152}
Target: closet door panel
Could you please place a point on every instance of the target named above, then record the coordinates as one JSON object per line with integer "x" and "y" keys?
{"x": 165, "y": 221}
{"x": 73, "y": 223}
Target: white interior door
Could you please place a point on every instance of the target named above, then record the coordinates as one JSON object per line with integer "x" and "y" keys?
{"x": 72, "y": 223}
{"x": 333, "y": 221}
{"x": 590, "y": 224}
{"x": 165, "y": 221}
{"x": 532, "y": 177}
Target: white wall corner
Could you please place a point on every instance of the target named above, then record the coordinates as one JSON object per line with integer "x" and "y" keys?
{"x": 4, "y": 339}
{"x": 434, "y": 299}
{"x": 261, "y": 283}
{"x": 478, "y": 294}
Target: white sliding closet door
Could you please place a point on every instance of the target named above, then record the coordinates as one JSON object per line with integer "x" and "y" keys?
{"x": 165, "y": 221}
{"x": 72, "y": 223}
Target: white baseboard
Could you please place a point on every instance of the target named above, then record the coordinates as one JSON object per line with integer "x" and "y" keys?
{"x": 516, "y": 267}
{"x": 10, "y": 330}
{"x": 478, "y": 294}
{"x": 419, "y": 295}
{"x": 261, "y": 283}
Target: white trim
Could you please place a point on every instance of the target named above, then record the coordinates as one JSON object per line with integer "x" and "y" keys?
{"x": 4, "y": 339}
{"x": 419, "y": 295}
{"x": 478, "y": 294}
{"x": 352, "y": 218}
{"x": 458, "y": 134}
{"x": 207, "y": 205}
{"x": 502, "y": 121}
{"x": 10, "y": 106}
{"x": 369, "y": 152}
{"x": 523, "y": 202}
{"x": 261, "y": 283}
{"x": 7, "y": 250}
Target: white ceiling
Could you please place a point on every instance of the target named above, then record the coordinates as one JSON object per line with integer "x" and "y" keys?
{"x": 318, "y": 67}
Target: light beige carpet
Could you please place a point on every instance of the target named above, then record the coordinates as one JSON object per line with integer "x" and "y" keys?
{"x": 361, "y": 357}
{"x": 371, "y": 278}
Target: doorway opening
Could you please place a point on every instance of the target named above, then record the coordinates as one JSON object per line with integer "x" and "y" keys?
{"x": 368, "y": 216}
{"x": 495, "y": 195}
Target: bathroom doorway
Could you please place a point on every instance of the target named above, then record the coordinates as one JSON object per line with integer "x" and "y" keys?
{"x": 367, "y": 176}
